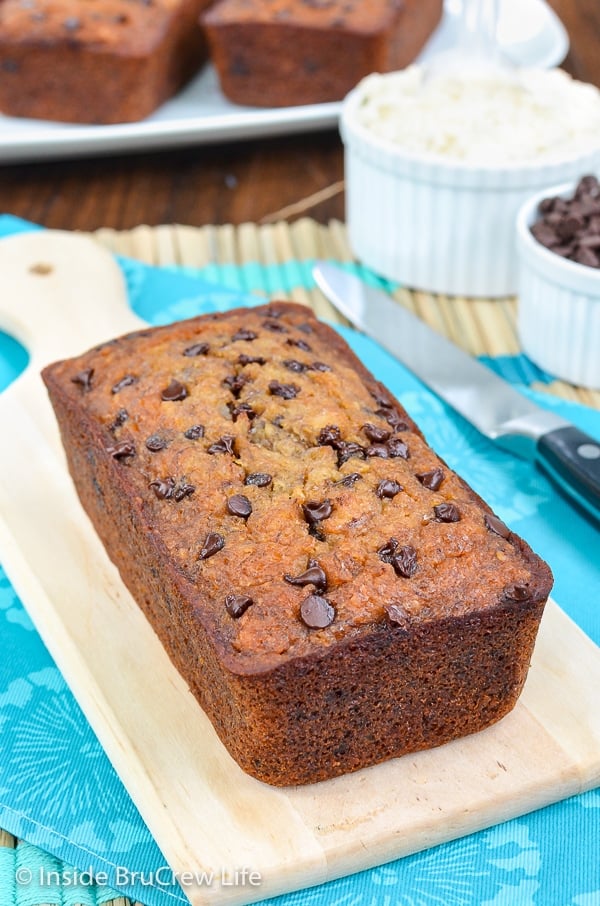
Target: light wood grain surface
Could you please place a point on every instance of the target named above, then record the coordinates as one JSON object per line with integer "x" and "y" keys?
{"x": 204, "y": 812}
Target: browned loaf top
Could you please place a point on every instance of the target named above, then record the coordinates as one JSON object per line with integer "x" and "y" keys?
{"x": 365, "y": 16}
{"x": 98, "y": 61}
{"x": 281, "y": 511}
{"x": 279, "y": 52}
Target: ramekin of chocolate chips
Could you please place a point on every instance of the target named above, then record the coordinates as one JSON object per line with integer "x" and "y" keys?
{"x": 558, "y": 242}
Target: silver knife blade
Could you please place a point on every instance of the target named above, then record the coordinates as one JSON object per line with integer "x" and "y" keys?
{"x": 484, "y": 399}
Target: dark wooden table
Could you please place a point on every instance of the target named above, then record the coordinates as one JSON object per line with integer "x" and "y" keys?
{"x": 244, "y": 181}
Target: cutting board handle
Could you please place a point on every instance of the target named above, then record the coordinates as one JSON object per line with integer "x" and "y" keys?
{"x": 61, "y": 293}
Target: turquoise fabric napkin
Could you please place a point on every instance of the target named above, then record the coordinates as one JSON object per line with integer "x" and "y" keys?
{"x": 59, "y": 793}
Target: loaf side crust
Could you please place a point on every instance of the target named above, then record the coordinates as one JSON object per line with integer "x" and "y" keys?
{"x": 112, "y": 62}
{"x": 328, "y": 705}
{"x": 270, "y": 54}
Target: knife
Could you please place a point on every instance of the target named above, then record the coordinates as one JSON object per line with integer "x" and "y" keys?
{"x": 569, "y": 456}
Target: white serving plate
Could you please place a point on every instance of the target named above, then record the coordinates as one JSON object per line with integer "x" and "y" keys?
{"x": 529, "y": 33}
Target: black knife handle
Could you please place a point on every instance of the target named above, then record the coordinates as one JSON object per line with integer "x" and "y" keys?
{"x": 572, "y": 458}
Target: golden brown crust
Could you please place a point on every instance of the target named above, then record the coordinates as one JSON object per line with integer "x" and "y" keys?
{"x": 270, "y": 53}
{"x": 114, "y": 63}
{"x": 423, "y": 641}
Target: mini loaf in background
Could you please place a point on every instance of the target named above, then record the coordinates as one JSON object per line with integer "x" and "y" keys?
{"x": 99, "y": 61}
{"x": 275, "y": 53}
{"x": 331, "y": 591}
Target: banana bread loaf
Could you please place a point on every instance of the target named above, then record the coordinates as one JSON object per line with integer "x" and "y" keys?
{"x": 107, "y": 61}
{"x": 274, "y": 53}
{"x": 331, "y": 591}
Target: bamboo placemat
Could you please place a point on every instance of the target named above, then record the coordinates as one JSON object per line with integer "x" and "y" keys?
{"x": 481, "y": 326}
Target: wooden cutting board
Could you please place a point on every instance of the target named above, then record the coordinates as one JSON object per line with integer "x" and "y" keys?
{"x": 60, "y": 294}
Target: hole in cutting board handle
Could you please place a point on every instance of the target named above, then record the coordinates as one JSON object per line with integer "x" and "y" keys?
{"x": 41, "y": 269}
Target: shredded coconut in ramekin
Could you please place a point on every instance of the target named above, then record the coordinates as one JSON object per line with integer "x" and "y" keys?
{"x": 500, "y": 117}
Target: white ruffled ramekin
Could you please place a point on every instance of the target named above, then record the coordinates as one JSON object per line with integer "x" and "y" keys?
{"x": 559, "y": 303}
{"x": 436, "y": 224}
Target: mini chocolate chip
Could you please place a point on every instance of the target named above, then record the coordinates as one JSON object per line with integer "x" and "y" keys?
{"x": 225, "y": 444}
{"x": 155, "y": 442}
{"x": 294, "y": 365}
{"x": 516, "y": 594}
{"x": 275, "y": 327}
{"x": 126, "y": 381}
{"x": 119, "y": 420}
{"x": 122, "y": 450}
{"x": 299, "y": 344}
{"x": 195, "y": 432}
{"x": 567, "y": 227}
{"x": 184, "y": 490}
{"x": 546, "y": 205}
{"x": 314, "y": 575}
{"x": 320, "y": 366}
{"x": 404, "y": 561}
{"x": 163, "y": 487}
{"x": 379, "y": 450}
{"x": 174, "y": 392}
{"x": 241, "y": 409}
{"x": 244, "y": 334}
{"x": 315, "y": 511}
{"x": 387, "y": 550}
{"x": 349, "y": 480}
{"x": 347, "y": 449}
{"x": 588, "y": 184}
{"x": 397, "y": 615}
{"x": 259, "y": 479}
{"x": 376, "y": 434}
{"x": 388, "y": 488}
{"x": 236, "y": 605}
{"x": 432, "y": 479}
{"x": 446, "y": 512}
{"x": 590, "y": 242}
{"x": 285, "y": 391}
{"x": 235, "y": 382}
{"x": 586, "y": 256}
{"x": 72, "y": 23}
{"x": 239, "y": 505}
{"x": 496, "y": 525}
{"x": 316, "y": 612}
{"x": 239, "y": 67}
{"x": 305, "y": 328}
{"x": 381, "y": 398}
{"x": 397, "y": 448}
{"x": 251, "y": 360}
{"x": 329, "y": 436}
{"x": 196, "y": 349}
{"x": 213, "y": 543}
{"x": 393, "y": 419}
{"x": 84, "y": 379}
